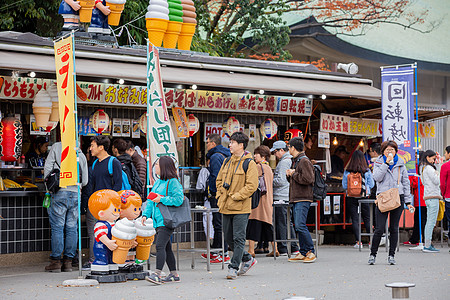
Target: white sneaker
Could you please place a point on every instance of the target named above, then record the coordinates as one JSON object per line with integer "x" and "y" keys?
{"x": 357, "y": 245}
{"x": 383, "y": 240}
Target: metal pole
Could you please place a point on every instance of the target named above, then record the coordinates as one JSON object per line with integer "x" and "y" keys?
{"x": 149, "y": 170}
{"x": 417, "y": 149}
{"x": 80, "y": 272}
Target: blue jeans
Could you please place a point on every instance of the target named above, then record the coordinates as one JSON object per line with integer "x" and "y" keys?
{"x": 432, "y": 212}
{"x": 300, "y": 212}
{"x": 63, "y": 215}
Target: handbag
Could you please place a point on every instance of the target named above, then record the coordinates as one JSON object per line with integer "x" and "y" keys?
{"x": 256, "y": 196}
{"x": 262, "y": 182}
{"x": 390, "y": 199}
{"x": 175, "y": 216}
{"x": 440, "y": 215}
{"x": 52, "y": 180}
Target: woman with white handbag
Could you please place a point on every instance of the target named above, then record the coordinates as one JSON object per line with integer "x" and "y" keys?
{"x": 393, "y": 191}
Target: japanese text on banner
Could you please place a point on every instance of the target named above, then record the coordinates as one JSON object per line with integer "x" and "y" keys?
{"x": 159, "y": 133}
{"x": 64, "y": 61}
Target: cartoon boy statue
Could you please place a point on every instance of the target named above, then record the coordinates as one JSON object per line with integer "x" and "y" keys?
{"x": 69, "y": 9}
{"x": 99, "y": 21}
{"x": 105, "y": 206}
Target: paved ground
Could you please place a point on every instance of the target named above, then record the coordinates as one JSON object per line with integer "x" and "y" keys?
{"x": 340, "y": 272}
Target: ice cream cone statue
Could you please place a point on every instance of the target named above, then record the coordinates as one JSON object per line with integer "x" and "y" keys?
{"x": 52, "y": 90}
{"x": 124, "y": 233}
{"x": 99, "y": 20}
{"x": 42, "y": 108}
{"x": 86, "y": 10}
{"x": 157, "y": 19}
{"x": 145, "y": 236}
{"x": 175, "y": 24}
{"x": 189, "y": 24}
{"x": 116, "y": 7}
{"x": 104, "y": 205}
{"x": 130, "y": 208}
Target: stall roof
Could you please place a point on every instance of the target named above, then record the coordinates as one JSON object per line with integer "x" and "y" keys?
{"x": 130, "y": 64}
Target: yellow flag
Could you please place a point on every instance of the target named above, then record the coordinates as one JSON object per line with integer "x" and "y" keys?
{"x": 65, "y": 78}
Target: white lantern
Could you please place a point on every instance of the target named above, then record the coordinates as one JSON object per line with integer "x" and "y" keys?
{"x": 268, "y": 129}
{"x": 143, "y": 123}
{"x": 99, "y": 121}
{"x": 230, "y": 126}
{"x": 194, "y": 125}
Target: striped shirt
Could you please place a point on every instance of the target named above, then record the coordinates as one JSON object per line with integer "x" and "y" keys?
{"x": 100, "y": 229}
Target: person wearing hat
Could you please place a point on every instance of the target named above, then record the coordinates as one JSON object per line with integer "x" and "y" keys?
{"x": 337, "y": 161}
{"x": 281, "y": 195}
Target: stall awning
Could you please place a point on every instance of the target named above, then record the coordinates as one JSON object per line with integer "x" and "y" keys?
{"x": 213, "y": 79}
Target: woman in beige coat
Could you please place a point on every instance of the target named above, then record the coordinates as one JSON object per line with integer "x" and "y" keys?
{"x": 260, "y": 226}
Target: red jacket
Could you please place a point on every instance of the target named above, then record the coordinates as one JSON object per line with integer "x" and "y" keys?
{"x": 414, "y": 182}
{"x": 445, "y": 180}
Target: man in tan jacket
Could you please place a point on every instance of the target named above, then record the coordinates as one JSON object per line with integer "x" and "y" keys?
{"x": 236, "y": 182}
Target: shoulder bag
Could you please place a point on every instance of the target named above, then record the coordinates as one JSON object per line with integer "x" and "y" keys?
{"x": 262, "y": 182}
{"x": 175, "y": 216}
{"x": 52, "y": 180}
{"x": 390, "y": 199}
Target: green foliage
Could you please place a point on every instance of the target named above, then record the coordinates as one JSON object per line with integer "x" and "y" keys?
{"x": 134, "y": 13}
{"x": 36, "y": 16}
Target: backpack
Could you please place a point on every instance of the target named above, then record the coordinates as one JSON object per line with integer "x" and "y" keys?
{"x": 320, "y": 187}
{"x": 125, "y": 182}
{"x": 256, "y": 196}
{"x": 133, "y": 178}
{"x": 355, "y": 185}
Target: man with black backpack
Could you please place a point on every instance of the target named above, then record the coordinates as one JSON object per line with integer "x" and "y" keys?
{"x": 100, "y": 178}
{"x": 301, "y": 178}
{"x": 119, "y": 149}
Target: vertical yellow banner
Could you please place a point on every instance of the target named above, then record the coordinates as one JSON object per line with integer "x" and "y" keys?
{"x": 64, "y": 61}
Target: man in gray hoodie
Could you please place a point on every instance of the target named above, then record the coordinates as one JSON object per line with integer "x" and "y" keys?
{"x": 63, "y": 213}
{"x": 281, "y": 195}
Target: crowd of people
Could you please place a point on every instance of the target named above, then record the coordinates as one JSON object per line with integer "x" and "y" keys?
{"x": 244, "y": 188}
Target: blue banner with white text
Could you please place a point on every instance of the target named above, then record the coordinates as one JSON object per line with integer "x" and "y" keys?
{"x": 397, "y": 102}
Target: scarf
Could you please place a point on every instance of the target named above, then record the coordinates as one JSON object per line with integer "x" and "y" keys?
{"x": 395, "y": 161}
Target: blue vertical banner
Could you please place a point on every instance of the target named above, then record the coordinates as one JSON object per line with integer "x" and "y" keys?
{"x": 397, "y": 103}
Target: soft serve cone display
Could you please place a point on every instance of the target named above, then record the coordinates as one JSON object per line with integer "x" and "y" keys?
{"x": 145, "y": 237}
{"x": 175, "y": 24}
{"x": 157, "y": 19}
{"x": 42, "y": 108}
{"x": 53, "y": 92}
{"x": 189, "y": 24}
{"x": 116, "y": 7}
{"x": 124, "y": 233}
{"x": 86, "y": 10}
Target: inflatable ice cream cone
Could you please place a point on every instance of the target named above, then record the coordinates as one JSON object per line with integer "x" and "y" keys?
{"x": 145, "y": 236}
{"x": 189, "y": 24}
{"x": 116, "y": 7}
{"x": 42, "y": 108}
{"x": 86, "y": 10}
{"x": 124, "y": 233}
{"x": 157, "y": 19}
{"x": 175, "y": 24}
{"x": 156, "y": 29}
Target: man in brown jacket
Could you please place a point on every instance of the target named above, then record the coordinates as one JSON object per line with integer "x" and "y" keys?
{"x": 139, "y": 163}
{"x": 301, "y": 197}
{"x": 235, "y": 187}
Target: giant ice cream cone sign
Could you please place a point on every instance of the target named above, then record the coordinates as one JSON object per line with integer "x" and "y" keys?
{"x": 189, "y": 24}
{"x": 175, "y": 24}
{"x": 42, "y": 108}
{"x": 116, "y": 7}
{"x": 52, "y": 90}
{"x": 86, "y": 10}
{"x": 157, "y": 20}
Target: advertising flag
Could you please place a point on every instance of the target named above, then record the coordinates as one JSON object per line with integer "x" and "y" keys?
{"x": 397, "y": 104}
{"x": 64, "y": 60}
